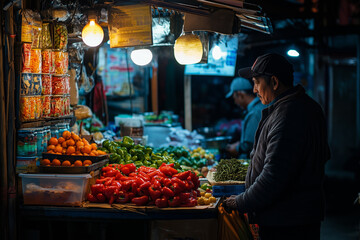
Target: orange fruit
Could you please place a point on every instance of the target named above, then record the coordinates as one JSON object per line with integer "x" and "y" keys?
{"x": 58, "y": 149}
{"x": 64, "y": 151}
{"x": 53, "y": 141}
{"x": 70, "y": 142}
{"x": 86, "y": 165}
{"x": 85, "y": 154}
{"x": 45, "y": 162}
{"x": 66, "y": 135}
{"x": 87, "y": 162}
{"x": 85, "y": 141}
{"x": 61, "y": 140}
{"x": 50, "y": 147}
{"x": 66, "y": 163}
{"x": 64, "y": 144}
{"x": 78, "y": 163}
{"x": 86, "y": 149}
{"x": 70, "y": 150}
{"x": 80, "y": 144}
{"x": 51, "y": 151}
{"x": 74, "y": 136}
{"x": 56, "y": 162}
{"x": 101, "y": 152}
{"x": 92, "y": 154}
{"x": 93, "y": 146}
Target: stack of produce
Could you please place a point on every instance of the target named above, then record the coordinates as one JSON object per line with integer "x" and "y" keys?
{"x": 71, "y": 144}
{"x": 126, "y": 151}
{"x": 230, "y": 170}
{"x": 44, "y": 81}
{"x": 206, "y": 198}
{"x": 197, "y": 158}
{"x": 162, "y": 187}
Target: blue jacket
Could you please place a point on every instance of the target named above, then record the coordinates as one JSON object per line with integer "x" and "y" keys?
{"x": 249, "y": 126}
{"x": 284, "y": 182}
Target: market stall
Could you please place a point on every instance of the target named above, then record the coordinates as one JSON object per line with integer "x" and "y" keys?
{"x": 132, "y": 173}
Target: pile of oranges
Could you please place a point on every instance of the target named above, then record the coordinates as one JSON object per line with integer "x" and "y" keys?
{"x": 71, "y": 144}
{"x": 65, "y": 163}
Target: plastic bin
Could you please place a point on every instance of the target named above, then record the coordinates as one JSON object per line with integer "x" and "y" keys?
{"x": 54, "y": 189}
{"x": 227, "y": 190}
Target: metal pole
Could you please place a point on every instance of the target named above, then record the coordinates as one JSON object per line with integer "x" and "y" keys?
{"x": 187, "y": 102}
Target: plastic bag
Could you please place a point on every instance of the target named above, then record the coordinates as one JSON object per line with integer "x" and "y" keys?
{"x": 83, "y": 112}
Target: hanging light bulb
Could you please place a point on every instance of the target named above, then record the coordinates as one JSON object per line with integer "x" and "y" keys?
{"x": 92, "y": 34}
{"x": 188, "y": 49}
{"x": 293, "y": 53}
{"x": 141, "y": 57}
{"x": 217, "y": 53}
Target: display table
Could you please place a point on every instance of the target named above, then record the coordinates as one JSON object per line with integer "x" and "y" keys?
{"x": 105, "y": 222}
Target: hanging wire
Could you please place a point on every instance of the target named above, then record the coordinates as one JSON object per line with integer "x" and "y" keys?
{"x": 129, "y": 81}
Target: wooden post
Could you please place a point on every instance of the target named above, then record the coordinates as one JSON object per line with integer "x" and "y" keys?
{"x": 187, "y": 102}
{"x": 154, "y": 91}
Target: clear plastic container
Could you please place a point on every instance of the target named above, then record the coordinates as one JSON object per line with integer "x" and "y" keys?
{"x": 39, "y": 140}
{"x": 62, "y": 127}
{"x": 26, "y": 143}
{"x": 54, "y": 131}
{"x": 54, "y": 189}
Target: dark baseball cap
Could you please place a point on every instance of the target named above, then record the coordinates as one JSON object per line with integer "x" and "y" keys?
{"x": 270, "y": 64}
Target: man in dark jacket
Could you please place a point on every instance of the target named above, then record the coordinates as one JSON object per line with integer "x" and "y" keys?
{"x": 284, "y": 183}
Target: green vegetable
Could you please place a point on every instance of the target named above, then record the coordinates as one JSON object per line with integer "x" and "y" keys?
{"x": 230, "y": 169}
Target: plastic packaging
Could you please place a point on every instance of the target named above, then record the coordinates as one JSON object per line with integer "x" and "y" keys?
{"x": 61, "y": 62}
{"x": 46, "y": 106}
{"x": 46, "y": 84}
{"x": 46, "y": 41}
{"x": 60, "y": 84}
{"x": 60, "y": 36}
{"x": 83, "y": 112}
{"x": 26, "y": 58}
{"x": 26, "y": 82}
{"x": 30, "y": 108}
{"x": 35, "y": 57}
{"x": 26, "y": 144}
{"x": 36, "y": 87}
{"x": 47, "y": 61}
{"x": 57, "y": 106}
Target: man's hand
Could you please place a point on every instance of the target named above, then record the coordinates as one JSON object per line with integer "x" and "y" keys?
{"x": 232, "y": 149}
{"x": 230, "y": 204}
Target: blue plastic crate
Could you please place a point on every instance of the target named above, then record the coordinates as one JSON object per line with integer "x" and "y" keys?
{"x": 227, "y": 190}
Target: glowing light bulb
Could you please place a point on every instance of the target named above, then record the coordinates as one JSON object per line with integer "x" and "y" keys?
{"x": 141, "y": 57}
{"x": 92, "y": 34}
{"x": 188, "y": 49}
{"x": 293, "y": 53}
{"x": 217, "y": 53}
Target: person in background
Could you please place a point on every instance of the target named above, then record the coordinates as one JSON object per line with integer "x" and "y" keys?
{"x": 242, "y": 92}
{"x": 284, "y": 183}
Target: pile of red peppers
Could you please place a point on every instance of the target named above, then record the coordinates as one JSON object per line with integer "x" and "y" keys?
{"x": 163, "y": 187}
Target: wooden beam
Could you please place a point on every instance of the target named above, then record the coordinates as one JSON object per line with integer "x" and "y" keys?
{"x": 187, "y": 102}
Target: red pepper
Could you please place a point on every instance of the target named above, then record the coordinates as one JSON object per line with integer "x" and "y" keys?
{"x": 111, "y": 173}
{"x": 167, "y": 192}
{"x": 169, "y": 171}
{"x": 144, "y": 176}
{"x": 161, "y": 202}
{"x": 100, "y": 197}
{"x": 126, "y": 178}
{"x": 109, "y": 182}
{"x": 183, "y": 175}
{"x": 105, "y": 169}
{"x": 176, "y": 188}
{"x": 125, "y": 170}
{"x": 103, "y": 180}
{"x": 184, "y": 197}
{"x": 91, "y": 198}
{"x": 154, "y": 193}
{"x": 157, "y": 172}
{"x": 166, "y": 182}
{"x": 180, "y": 182}
{"x": 126, "y": 185}
{"x": 116, "y": 184}
{"x": 123, "y": 197}
{"x": 134, "y": 187}
{"x": 159, "y": 178}
{"x": 118, "y": 176}
{"x": 191, "y": 203}
{"x": 189, "y": 185}
{"x": 131, "y": 195}
{"x": 139, "y": 181}
{"x": 174, "y": 202}
{"x": 195, "y": 180}
{"x": 97, "y": 188}
{"x": 145, "y": 185}
{"x": 156, "y": 183}
{"x": 110, "y": 191}
{"x": 131, "y": 167}
{"x": 140, "y": 201}
{"x": 133, "y": 175}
